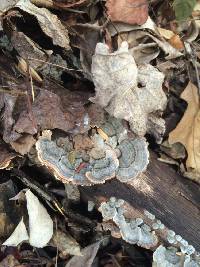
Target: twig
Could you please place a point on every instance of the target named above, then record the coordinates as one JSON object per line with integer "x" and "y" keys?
{"x": 56, "y": 223}
{"x": 52, "y": 64}
{"x": 143, "y": 46}
{"x": 12, "y": 91}
{"x": 29, "y": 91}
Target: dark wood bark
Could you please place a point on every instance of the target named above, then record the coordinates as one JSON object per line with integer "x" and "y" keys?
{"x": 170, "y": 197}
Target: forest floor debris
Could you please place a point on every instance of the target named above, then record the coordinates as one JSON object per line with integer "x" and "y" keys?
{"x": 89, "y": 91}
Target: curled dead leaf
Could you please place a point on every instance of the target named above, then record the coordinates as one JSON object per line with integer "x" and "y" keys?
{"x": 128, "y": 11}
{"x": 49, "y": 23}
{"x": 176, "y": 42}
{"x": 187, "y": 131}
{"x": 173, "y": 39}
{"x": 5, "y": 157}
{"x": 65, "y": 243}
{"x": 67, "y": 4}
{"x": 24, "y": 144}
{"x": 87, "y": 257}
{"x": 48, "y": 114}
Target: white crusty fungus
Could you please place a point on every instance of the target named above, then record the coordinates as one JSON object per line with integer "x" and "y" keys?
{"x": 128, "y": 92}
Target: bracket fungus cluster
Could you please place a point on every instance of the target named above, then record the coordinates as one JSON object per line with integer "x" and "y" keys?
{"x": 133, "y": 231}
{"x": 85, "y": 160}
{"x": 129, "y": 92}
{"x": 169, "y": 257}
{"x": 150, "y": 233}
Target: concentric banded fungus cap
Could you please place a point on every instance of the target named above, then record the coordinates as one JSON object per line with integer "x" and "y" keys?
{"x": 57, "y": 160}
{"x": 104, "y": 168}
{"x": 133, "y": 160}
{"x": 114, "y": 128}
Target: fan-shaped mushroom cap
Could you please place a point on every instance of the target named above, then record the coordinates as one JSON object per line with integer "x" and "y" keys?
{"x": 104, "y": 168}
{"x": 133, "y": 160}
{"x": 57, "y": 160}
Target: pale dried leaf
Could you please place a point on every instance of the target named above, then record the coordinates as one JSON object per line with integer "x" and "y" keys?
{"x": 169, "y": 50}
{"x": 6, "y": 4}
{"x": 49, "y": 23}
{"x": 130, "y": 12}
{"x": 142, "y": 52}
{"x": 148, "y": 29}
{"x": 119, "y": 27}
{"x": 22, "y": 67}
{"x": 40, "y": 223}
{"x": 87, "y": 258}
{"x": 167, "y": 34}
{"x": 173, "y": 39}
{"x": 65, "y": 4}
{"x": 187, "y": 131}
{"x": 19, "y": 235}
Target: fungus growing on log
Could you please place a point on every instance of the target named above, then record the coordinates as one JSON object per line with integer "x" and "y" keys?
{"x": 128, "y": 92}
{"x": 57, "y": 160}
{"x": 164, "y": 257}
{"x": 79, "y": 169}
{"x": 103, "y": 169}
{"x": 87, "y": 160}
{"x": 133, "y": 160}
{"x": 133, "y": 231}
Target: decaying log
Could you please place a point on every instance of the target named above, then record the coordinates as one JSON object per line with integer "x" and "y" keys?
{"x": 162, "y": 191}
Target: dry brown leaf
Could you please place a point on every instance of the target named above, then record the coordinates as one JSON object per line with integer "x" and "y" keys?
{"x": 10, "y": 261}
{"x": 167, "y": 34}
{"x": 5, "y": 157}
{"x": 49, "y": 23}
{"x": 142, "y": 52}
{"x": 128, "y": 11}
{"x": 48, "y": 114}
{"x": 67, "y": 4}
{"x": 65, "y": 243}
{"x": 10, "y": 213}
{"x": 188, "y": 130}
{"x": 173, "y": 39}
{"x": 24, "y": 144}
{"x": 143, "y": 32}
{"x": 7, "y": 106}
{"x": 28, "y": 48}
{"x": 87, "y": 258}
{"x": 176, "y": 42}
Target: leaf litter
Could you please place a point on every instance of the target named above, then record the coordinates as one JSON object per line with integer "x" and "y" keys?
{"x": 87, "y": 90}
